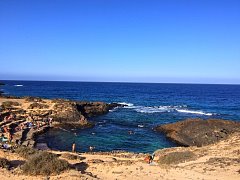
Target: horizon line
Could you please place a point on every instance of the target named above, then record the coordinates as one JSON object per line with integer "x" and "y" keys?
{"x": 127, "y": 82}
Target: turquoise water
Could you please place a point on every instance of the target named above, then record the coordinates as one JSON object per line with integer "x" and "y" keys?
{"x": 148, "y": 105}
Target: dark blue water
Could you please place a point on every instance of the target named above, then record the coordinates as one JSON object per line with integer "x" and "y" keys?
{"x": 148, "y": 105}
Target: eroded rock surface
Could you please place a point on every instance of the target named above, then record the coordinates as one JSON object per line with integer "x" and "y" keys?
{"x": 37, "y": 114}
{"x": 198, "y": 132}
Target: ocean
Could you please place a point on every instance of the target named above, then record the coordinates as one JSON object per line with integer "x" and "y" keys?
{"x": 148, "y": 105}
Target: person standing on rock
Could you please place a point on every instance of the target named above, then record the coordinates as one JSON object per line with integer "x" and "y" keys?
{"x": 73, "y": 147}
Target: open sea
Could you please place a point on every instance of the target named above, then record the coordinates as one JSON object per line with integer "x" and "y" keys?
{"x": 148, "y": 105}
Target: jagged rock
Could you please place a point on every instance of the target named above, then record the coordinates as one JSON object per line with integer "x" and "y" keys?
{"x": 198, "y": 132}
{"x": 66, "y": 112}
{"x": 90, "y": 109}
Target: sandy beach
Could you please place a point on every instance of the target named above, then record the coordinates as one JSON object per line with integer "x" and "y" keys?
{"x": 219, "y": 161}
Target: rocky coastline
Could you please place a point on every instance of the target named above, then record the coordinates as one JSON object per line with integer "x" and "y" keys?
{"x": 212, "y": 147}
{"x": 199, "y": 132}
{"x": 25, "y": 118}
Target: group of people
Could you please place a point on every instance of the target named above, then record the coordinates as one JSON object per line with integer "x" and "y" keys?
{"x": 6, "y": 137}
{"x": 9, "y": 118}
{"x": 11, "y": 126}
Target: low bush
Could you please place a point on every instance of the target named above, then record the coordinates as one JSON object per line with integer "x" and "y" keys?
{"x": 9, "y": 104}
{"x": 177, "y": 157}
{"x": 4, "y": 163}
{"x": 44, "y": 163}
{"x": 26, "y": 152}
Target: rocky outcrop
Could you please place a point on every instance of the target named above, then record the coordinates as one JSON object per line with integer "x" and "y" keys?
{"x": 198, "y": 132}
{"x": 71, "y": 113}
{"x": 45, "y": 113}
{"x": 90, "y": 109}
{"x": 64, "y": 112}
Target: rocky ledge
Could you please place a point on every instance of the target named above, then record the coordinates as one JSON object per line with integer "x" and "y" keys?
{"x": 24, "y": 118}
{"x": 62, "y": 111}
{"x": 199, "y": 132}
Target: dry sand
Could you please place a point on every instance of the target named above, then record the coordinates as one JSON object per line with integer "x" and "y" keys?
{"x": 225, "y": 164}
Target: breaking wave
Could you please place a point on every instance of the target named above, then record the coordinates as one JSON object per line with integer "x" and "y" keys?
{"x": 18, "y": 85}
{"x": 193, "y": 112}
{"x": 164, "y": 109}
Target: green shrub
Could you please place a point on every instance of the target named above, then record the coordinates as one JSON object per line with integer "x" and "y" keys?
{"x": 177, "y": 157}
{"x": 26, "y": 152}
{"x": 44, "y": 163}
{"x": 4, "y": 163}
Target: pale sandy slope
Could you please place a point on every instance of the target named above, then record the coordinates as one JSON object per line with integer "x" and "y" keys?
{"x": 226, "y": 165}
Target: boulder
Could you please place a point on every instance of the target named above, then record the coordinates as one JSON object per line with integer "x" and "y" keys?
{"x": 198, "y": 132}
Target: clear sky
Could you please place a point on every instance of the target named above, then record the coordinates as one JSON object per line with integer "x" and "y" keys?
{"x": 191, "y": 41}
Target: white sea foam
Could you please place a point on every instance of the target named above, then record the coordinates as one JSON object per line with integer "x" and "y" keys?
{"x": 18, "y": 85}
{"x": 126, "y": 104}
{"x": 147, "y": 109}
{"x": 163, "y": 109}
{"x": 193, "y": 112}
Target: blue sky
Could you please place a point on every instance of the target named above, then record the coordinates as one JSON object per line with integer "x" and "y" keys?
{"x": 191, "y": 41}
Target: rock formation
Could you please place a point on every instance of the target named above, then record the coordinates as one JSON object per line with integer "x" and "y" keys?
{"x": 90, "y": 109}
{"x": 63, "y": 113}
{"x": 198, "y": 132}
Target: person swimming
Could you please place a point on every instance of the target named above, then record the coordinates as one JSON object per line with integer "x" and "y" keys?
{"x": 91, "y": 148}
